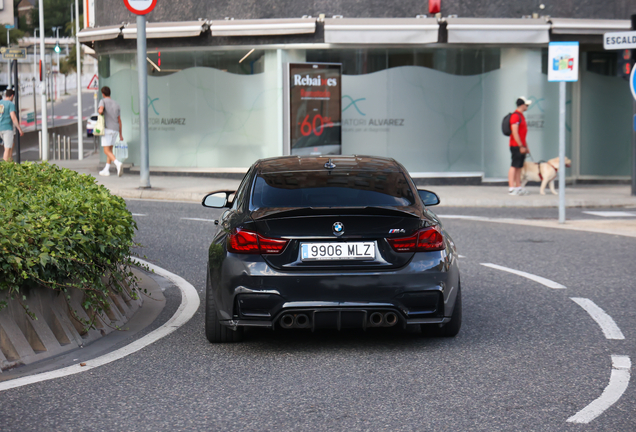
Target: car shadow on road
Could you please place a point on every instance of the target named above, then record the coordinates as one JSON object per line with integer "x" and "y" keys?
{"x": 262, "y": 340}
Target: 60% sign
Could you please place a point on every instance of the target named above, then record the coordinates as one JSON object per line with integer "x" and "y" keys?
{"x": 317, "y": 125}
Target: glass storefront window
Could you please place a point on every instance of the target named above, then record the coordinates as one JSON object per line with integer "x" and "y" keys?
{"x": 455, "y": 61}
{"x": 602, "y": 63}
{"x": 168, "y": 62}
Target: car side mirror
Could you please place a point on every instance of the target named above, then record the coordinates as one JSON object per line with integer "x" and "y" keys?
{"x": 428, "y": 198}
{"x": 217, "y": 199}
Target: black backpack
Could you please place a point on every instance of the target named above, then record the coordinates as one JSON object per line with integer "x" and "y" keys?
{"x": 505, "y": 125}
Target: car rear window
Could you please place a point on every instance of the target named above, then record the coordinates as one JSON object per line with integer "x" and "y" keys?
{"x": 331, "y": 189}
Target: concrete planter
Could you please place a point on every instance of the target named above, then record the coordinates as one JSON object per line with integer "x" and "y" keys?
{"x": 24, "y": 340}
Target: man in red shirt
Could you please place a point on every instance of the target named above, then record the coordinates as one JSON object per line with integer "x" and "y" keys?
{"x": 518, "y": 147}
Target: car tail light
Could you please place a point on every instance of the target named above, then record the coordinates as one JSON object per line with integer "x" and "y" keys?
{"x": 424, "y": 240}
{"x": 248, "y": 242}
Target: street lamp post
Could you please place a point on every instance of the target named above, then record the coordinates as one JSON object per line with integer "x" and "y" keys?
{"x": 45, "y": 129}
{"x": 57, "y": 51}
{"x": 78, "y": 70}
{"x": 35, "y": 78}
{"x": 8, "y": 27}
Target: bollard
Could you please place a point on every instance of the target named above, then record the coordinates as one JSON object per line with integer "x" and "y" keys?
{"x": 59, "y": 150}
{"x": 68, "y": 146}
{"x": 40, "y": 143}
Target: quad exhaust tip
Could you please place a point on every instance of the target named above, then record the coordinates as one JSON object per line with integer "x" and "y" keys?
{"x": 302, "y": 321}
{"x": 287, "y": 321}
{"x": 390, "y": 318}
{"x": 376, "y": 319}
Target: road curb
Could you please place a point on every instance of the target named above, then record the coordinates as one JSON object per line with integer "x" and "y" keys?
{"x": 55, "y": 330}
{"x": 190, "y": 302}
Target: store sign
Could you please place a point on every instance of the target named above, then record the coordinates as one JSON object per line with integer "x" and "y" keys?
{"x": 140, "y": 7}
{"x": 563, "y": 61}
{"x": 619, "y": 40}
{"x": 315, "y": 108}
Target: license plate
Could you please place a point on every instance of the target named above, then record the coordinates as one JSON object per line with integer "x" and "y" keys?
{"x": 337, "y": 251}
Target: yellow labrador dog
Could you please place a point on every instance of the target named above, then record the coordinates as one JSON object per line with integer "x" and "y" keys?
{"x": 544, "y": 172}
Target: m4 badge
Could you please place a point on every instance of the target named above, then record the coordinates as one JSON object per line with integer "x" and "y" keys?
{"x": 396, "y": 231}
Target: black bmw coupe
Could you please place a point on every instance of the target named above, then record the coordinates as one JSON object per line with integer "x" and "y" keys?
{"x": 340, "y": 242}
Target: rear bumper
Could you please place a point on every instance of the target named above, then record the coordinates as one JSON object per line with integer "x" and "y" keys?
{"x": 248, "y": 292}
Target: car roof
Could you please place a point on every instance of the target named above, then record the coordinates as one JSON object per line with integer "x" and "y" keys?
{"x": 317, "y": 163}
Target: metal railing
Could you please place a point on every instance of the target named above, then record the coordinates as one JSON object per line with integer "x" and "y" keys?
{"x": 59, "y": 146}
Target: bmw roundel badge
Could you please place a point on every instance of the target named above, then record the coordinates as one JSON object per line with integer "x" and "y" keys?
{"x": 338, "y": 229}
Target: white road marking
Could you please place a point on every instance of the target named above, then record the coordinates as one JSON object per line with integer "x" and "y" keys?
{"x": 189, "y": 305}
{"x": 619, "y": 379}
{"x": 607, "y": 324}
{"x": 611, "y": 213}
{"x": 539, "y": 279}
{"x": 138, "y": 214}
{"x": 199, "y": 219}
{"x": 461, "y": 256}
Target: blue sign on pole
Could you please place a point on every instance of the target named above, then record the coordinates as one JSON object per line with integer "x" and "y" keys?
{"x": 632, "y": 81}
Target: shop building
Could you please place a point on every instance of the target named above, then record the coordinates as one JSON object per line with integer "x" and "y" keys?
{"x": 428, "y": 91}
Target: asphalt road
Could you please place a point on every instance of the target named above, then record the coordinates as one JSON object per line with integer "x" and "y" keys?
{"x": 527, "y": 357}
{"x": 65, "y": 107}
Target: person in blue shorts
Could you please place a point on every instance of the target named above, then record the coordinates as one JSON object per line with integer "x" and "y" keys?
{"x": 8, "y": 118}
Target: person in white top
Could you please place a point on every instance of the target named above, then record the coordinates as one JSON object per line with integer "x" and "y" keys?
{"x": 111, "y": 112}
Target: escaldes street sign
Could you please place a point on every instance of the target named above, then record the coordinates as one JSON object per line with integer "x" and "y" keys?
{"x": 619, "y": 40}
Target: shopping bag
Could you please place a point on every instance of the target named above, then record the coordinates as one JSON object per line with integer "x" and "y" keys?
{"x": 121, "y": 150}
{"x": 100, "y": 127}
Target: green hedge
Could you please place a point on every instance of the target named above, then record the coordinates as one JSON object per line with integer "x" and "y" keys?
{"x": 61, "y": 230}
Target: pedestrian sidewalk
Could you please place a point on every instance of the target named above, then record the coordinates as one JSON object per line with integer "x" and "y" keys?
{"x": 184, "y": 187}
{"x": 190, "y": 188}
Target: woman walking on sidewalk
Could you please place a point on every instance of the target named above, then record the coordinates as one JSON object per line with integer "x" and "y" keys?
{"x": 110, "y": 110}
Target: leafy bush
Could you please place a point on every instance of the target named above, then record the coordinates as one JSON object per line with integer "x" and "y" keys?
{"x": 61, "y": 230}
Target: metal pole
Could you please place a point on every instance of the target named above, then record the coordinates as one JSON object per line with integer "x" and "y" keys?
{"x": 52, "y": 94}
{"x": 57, "y": 84}
{"x": 562, "y": 152}
{"x": 78, "y": 69}
{"x": 17, "y": 107}
{"x": 634, "y": 126}
{"x": 45, "y": 128}
{"x": 35, "y": 107}
{"x": 8, "y": 64}
{"x": 144, "y": 170}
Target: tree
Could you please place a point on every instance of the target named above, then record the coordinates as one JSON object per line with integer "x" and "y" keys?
{"x": 66, "y": 67}
{"x": 56, "y": 13}
{"x": 72, "y": 59}
{"x": 14, "y": 36}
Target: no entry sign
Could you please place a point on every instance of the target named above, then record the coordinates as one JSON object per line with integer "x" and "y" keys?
{"x": 140, "y": 7}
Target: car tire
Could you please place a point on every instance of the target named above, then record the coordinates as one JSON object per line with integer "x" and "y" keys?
{"x": 451, "y": 328}
{"x": 214, "y": 330}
